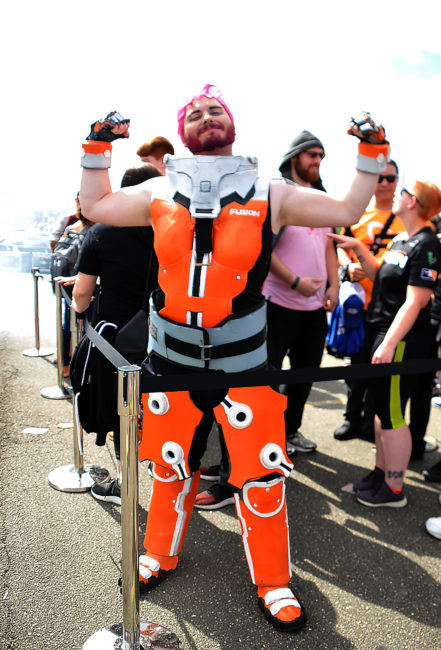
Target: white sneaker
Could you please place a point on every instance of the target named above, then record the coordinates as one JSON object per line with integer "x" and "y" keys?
{"x": 298, "y": 442}
{"x": 433, "y": 527}
{"x": 430, "y": 444}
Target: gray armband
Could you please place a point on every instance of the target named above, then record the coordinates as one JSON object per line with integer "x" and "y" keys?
{"x": 372, "y": 158}
{"x": 96, "y": 155}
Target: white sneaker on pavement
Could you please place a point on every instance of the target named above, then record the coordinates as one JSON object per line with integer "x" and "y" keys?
{"x": 433, "y": 527}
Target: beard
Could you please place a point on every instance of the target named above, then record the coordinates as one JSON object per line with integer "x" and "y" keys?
{"x": 307, "y": 174}
{"x": 217, "y": 140}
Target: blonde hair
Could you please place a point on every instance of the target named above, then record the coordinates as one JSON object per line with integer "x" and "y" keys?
{"x": 429, "y": 196}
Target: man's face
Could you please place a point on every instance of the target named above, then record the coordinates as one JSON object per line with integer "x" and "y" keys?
{"x": 386, "y": 187}
{"x": 207, "y": 126}
{"x": 157, "y": 162}
{"x": 307, "y": 164}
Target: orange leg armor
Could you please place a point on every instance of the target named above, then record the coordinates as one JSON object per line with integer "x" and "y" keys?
{"x": 253, "y": 428}
{"x": 169, "y": 422}
{"x": 261, "y": 509}
{"x": 170, "y": 509}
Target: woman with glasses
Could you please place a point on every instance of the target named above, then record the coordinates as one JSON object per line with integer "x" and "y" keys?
{"x": 398, "y": 329}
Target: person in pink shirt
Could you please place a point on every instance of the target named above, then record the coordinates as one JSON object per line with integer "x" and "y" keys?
{"x": 301, "y": 287}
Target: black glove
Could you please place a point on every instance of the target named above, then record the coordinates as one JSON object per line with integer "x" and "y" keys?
{"x": 102, "y": 129}
{"x": 370, "y": 132}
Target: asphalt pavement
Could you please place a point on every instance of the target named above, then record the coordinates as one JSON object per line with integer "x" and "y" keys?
{"x": 369, "y": 578}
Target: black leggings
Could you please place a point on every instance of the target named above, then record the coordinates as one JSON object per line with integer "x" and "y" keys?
{"x": 390, "y": 394}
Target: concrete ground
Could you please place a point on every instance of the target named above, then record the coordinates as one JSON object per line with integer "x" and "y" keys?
{"x": 369, "y": 579}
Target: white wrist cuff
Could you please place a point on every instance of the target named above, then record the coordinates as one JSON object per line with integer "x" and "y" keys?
{"x": 96, "y": 160}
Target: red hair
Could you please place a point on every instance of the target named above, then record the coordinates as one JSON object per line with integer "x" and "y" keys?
{"x": 429, "y": 196}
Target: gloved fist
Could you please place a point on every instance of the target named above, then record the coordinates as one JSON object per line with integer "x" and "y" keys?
{"x": 112, "y": 127}
{"x": 366, "y": 130}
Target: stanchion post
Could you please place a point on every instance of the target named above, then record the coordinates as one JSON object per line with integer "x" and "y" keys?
{"x": 77, "y": 477}
{"x": 77, "y": 428}
{"x": 131, "y": 633}
{"x": 128, "y": 409}
{"x": 60, "y": 391}
{"x": 37, "y": 351}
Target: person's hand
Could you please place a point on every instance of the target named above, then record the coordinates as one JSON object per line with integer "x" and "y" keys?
{"x": 65, "y": 280}
{"x": 309, "y": 286}
{"x": 343, "y": 241}
{"x": 355, "y": 272}
{"x": 366, "y": 130}
{"x": 112, "y": 127}
{"x": 330, "y": 301}
{"x": 384, "y": 353}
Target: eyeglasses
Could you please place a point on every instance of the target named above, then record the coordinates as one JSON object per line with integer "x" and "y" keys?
{"x": 390, "y": 178}
{"x": 412, "y": 196}
{"x": 316, "y": 154}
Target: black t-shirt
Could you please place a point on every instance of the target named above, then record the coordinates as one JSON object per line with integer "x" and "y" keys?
{"x": 415, "y": 261}
{"x": 122, "y": 258}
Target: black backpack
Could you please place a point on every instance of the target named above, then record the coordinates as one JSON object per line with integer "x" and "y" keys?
{"x": 94, "y": 382}
{"x": 66, "y": 253}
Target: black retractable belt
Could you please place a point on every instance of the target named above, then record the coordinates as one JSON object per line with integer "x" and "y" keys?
{"x": 200, "y": 380}
{"x": 104, "y": 346}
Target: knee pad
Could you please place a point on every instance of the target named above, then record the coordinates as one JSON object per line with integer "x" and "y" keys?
{"x": 168, "y": 424}
{"x": 253, "y": 426}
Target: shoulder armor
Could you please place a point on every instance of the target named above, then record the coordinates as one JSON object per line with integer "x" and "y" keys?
{"x": 206, "y": 180}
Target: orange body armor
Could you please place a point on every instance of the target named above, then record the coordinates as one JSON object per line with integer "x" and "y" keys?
{"x": 208, "y": 216}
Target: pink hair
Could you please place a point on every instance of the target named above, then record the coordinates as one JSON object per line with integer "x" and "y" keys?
{"x": 207, "y": 91}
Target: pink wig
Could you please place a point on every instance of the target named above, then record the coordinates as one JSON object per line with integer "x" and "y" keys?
{"x": 207, "y": 91}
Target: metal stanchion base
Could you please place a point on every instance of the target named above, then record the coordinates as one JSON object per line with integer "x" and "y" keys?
{"x": 68, "y": 479}
{"x": 56, "y": 392}
{"x": 38, "y": 352}
{"x": 151, "y": 635}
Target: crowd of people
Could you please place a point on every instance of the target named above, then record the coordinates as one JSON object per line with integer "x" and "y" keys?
{"x": 239, "y": 274}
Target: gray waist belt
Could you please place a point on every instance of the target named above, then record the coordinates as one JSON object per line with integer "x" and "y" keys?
{"x": 238, "y": 345}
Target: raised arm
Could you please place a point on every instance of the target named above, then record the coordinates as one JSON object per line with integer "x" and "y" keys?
{"x": 293, "y": 205}
{"x": 128, "y": 207}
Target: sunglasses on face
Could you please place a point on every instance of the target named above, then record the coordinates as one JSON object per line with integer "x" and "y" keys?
{"x": 316, "y": 154}
{"x": 390, "y": 178}
{"x": 412, "y": 196}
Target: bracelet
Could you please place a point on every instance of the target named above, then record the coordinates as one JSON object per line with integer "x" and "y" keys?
{"x": 295, "y": 284}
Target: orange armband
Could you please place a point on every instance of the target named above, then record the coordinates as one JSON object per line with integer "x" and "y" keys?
{"x": 96, "y": 154}
{"x": 372, "y": 158}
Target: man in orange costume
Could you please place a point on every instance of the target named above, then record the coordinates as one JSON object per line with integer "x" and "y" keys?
{"x": 213, "y": 219}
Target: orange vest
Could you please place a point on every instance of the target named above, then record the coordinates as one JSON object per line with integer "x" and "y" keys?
{"x": 366, "y": 230}
{"x": 200, "y": 291}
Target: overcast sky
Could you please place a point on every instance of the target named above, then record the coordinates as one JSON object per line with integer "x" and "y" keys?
{"x": 282, "y": 66}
